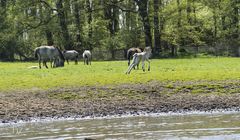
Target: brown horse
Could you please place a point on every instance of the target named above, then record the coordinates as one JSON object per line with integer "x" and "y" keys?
{"x": 131, "y": 52}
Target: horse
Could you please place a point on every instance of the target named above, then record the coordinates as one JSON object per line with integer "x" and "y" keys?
{"x": 49, "y": 53}
{"x": 87, "y": 56}
{"x": 145, "y": 55}
{"x": 130, "y": 53}
{"x": 71, "y": 55}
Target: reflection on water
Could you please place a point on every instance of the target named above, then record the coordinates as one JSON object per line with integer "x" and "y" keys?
{"x": 195, "y": 126}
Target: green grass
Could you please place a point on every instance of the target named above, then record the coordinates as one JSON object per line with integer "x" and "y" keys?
{"x": 17, "y": 75}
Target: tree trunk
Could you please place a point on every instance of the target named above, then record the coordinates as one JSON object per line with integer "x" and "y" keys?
{"x": 235, "y": 18}
{"x": 63, "y": 24}
{"x": 157, "y": 45}
{"x": 7, "y": 46}
{"x": 215, "y": 24}
{"x": 46, "y": 29}
{"x": 143, "y": 12}
{"x": 90, "y": 32}
{"x": 49, "y": 37}
{"x": 78, "y": 24}
{"x": 179, "y": 23}
{"x": 179, "y": 14}
{"x": 235, "y": 27}
{"x": 189, "y": 10}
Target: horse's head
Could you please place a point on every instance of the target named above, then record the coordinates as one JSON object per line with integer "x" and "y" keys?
{"x": 148, "y": 49}
{"x": 59, "y": 63}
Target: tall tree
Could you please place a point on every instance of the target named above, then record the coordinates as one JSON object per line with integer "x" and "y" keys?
{"x": 157, "y": 43}
{"x": 235, "y": 4}
{"x": 111, "y": 13}
{"x": 189, "y": 10}
{"x": 49, "y": 35}
{"x": 90, "y": 16}
{"x": 63, "y": 24}
{"x": 78, "y": 23}
{"x": 143, "y": 12}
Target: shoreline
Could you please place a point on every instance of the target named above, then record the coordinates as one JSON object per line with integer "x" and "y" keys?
{"x": 100, "y": 101}
{"x": 140, "y": 114}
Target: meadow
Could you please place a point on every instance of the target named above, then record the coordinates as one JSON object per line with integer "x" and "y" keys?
{"x": 18, "y": 75}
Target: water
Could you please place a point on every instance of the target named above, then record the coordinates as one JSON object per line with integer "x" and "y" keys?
{"x": 218, "y": 126}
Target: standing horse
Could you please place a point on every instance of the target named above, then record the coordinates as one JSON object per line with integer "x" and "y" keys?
{"x": 145, "y": 55}
{"x": 49, "y": 53}
{"x": 130, "y": 53}
{"x": 87, "y": 56}
{"x": 71, "y": 55}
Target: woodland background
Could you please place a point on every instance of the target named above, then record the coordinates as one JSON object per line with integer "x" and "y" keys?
{"x": 173, "y": 28}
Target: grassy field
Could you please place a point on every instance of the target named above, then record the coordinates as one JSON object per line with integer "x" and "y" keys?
{"x": 17, "y": 75}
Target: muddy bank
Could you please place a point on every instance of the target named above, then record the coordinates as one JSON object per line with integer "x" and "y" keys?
{"x": 153, "y": 97}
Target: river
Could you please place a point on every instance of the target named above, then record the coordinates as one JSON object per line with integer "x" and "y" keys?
{"x": 205, "y": 126}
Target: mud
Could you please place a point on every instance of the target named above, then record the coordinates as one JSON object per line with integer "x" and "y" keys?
{"x": 98, "y": 101}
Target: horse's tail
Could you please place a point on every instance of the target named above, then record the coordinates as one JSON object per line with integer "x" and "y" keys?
{"x": 128, "y": 54}
{"x": 36, "y": 51}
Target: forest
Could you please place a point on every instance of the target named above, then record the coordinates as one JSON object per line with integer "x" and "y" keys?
{"x": 173, "y": 28}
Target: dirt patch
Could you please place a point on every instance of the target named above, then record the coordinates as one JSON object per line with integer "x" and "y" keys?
{"x": 152, "y": 97}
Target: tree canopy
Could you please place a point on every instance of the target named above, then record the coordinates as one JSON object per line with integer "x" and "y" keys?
{"x": 170, "y": 27}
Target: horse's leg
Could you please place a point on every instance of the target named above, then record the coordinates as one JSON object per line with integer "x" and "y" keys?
{"x": 51, "y": 65}
{"x": 39, "y": 63}
{"x": 45, "y": 62}
{"x": 130, "y": 68}
{"x": 134, "y": 63}
{"x": 143, "y": 65}
{"x": 148, "y": 64}
{"x": 76, "y": 61}
{"x": 55, "y": 63}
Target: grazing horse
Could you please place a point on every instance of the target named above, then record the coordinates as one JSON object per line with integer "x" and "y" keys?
{"x": 145, "y": 55}
{"x": 130, "y": 53}
{"x": 71, "y": 55}
{"x": 87, "y": 56}
{"x": 49, "y": 53}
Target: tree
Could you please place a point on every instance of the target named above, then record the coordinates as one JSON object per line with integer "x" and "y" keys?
{"x": 78, "y": 25}
{"x": 67, "y": 42}
{"x": 157, "y": 41}
{"x": 143, "y": 12}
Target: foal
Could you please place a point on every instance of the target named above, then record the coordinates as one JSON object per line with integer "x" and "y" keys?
{"x": 145, "y": 55}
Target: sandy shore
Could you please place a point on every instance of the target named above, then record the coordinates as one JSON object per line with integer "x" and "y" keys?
{"x": 153, "y": 97}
